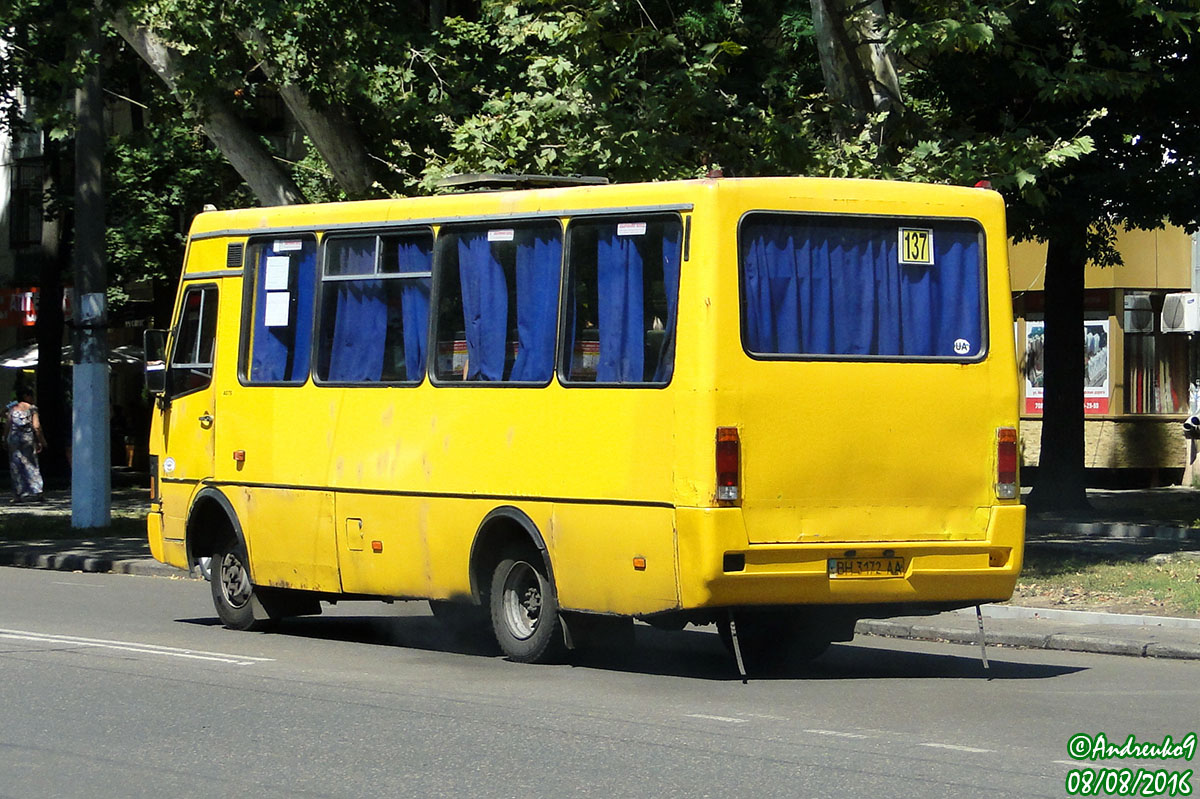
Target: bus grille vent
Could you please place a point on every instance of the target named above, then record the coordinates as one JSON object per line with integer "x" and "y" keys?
{"x": 233, "y": 256}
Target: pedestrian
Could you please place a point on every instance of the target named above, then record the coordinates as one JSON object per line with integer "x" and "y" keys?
{"x": 24, "y": 439}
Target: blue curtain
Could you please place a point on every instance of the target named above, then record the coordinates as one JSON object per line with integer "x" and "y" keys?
{"x": 281, "y": 354}
{"x": 485, "y": 306}
{"x": 360, "y": 314}
{"x": 620, "y": 316}
{"x": 539, "y": 259}
{"x": 670, "y": 265}
{"x": 415, "y": 256}
{"x": 837, "y": 288}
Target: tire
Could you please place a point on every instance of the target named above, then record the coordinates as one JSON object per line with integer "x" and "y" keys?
{"x": 232, "y": 590}
{"x": 774, "y": 640}
{"x": 524, "y": 609}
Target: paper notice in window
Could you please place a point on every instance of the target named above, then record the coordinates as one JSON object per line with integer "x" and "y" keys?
{"x": 288, "y": 245}
{"x": 631, "y": 229}
{"x": 278, "y": 307}
{"x": 278, "y": 270}
{"x": 505, "y": 234}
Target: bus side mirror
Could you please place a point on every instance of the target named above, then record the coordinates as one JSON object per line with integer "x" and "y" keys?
{"x": 154, "y": 343}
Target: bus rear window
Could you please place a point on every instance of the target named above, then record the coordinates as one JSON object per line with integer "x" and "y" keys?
{"x": 861, "y": 287}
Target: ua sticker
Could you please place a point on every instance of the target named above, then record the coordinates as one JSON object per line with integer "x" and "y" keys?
{"x": 962, "y": 346}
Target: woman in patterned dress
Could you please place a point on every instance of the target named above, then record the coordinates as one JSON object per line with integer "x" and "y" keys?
{"x": 23, "y": 436}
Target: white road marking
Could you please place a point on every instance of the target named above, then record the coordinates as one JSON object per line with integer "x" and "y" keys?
{"x": 837, "y": 734}
{"x": 959, "y": 748}
{"x": 79, "y": 585}
{"x": 726, "y": 719}
{"x": 133, "y": 646}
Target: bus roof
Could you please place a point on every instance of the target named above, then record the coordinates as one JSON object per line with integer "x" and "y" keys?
{"x": 840, "y": 195}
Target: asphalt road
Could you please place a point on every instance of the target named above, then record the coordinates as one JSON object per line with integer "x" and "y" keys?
{"x": 122, "y": 686}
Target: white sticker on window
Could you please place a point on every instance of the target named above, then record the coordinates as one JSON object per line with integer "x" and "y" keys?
{"x": 278, "y": 270}
{"x": 631, "y": 229}
{"x": 278, "y": 308}
{"x": 289, "y": 245}
{"x": 501, "y": 235}
{"x": 962, "y": 346}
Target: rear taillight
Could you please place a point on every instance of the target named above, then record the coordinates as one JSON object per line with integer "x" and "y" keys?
{"x": 729, "y": 458}
{"x": 1006, "y": 463}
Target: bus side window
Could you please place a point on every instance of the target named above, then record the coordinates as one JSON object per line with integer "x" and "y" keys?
{"x": 281, "y": 273}
{"x": 375, "y": 309}
{"x": 192, "y": 358}
{"x": 623, "y": 293}
{"x": 498, "y": 302}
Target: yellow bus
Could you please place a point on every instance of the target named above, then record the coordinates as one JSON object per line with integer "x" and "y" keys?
{"x": 777, "y": 404}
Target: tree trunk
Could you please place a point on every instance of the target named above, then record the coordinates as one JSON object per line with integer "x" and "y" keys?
{"x": 51, "y": 398}
{"x": 858, "y": 69}
{"x": 269, "y": 182}
{"x": 1060, "y": 485}
{"x": 327, "y": 127}
{"x": 336, "y": 140}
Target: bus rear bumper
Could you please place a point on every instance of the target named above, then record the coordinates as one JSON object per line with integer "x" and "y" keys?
{"x": 718, "y": 568}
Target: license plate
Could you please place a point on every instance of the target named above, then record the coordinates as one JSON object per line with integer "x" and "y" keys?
{"x": 866, "y": 567}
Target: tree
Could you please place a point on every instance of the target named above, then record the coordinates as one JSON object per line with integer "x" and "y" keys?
{"x": 1117, "y": 72}
{"x": 1077, "y": 110}
{"x": 270, "y": 183}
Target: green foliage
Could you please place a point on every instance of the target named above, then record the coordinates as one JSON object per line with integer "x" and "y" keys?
{"x": 641, "y": 92}
{"x": 1077, "y": 110}
{"x": 157, "y": 179}
{"x": 1075, "y": 104}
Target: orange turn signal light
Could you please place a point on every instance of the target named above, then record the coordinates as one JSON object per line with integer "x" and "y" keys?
{"x": 639, "y": 564}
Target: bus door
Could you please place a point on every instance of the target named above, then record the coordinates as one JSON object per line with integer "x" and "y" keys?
{"x": 189, "y": 410}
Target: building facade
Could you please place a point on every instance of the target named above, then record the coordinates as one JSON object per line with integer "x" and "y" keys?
{"x": 1138, "y": 385}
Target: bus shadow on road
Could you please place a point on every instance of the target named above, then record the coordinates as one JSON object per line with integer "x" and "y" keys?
{"x": 407, "y": 632}
{"x": 694, "y": 653}
{"x": 699, "y": 654}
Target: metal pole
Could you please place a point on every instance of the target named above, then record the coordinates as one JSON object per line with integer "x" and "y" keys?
{"x": 90, "y": 474}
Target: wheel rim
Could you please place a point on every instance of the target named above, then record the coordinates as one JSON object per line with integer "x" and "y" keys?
{"x": 522, "y": 600}
{"x": 235, "y": 582}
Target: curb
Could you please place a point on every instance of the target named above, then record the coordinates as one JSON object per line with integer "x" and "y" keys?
{"x": 78, "y": 562}
{"x": 1072, "y": 642}
{"x": 1082, "y": 617}
{"x": 1119, "y": 530}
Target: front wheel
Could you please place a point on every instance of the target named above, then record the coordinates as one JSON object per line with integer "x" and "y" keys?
{"x": 232, "y": 591}
{"x": 524, "y": 611}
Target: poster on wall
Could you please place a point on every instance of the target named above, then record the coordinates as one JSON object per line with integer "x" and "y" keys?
{"x": 1095, "y": 369}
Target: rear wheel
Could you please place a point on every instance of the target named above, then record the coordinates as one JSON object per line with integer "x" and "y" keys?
{"x": 232, "y": 591}
{"x": 524, "y": 610}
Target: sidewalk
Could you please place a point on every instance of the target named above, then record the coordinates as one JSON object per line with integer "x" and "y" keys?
{"x": 1137, "y": 522}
